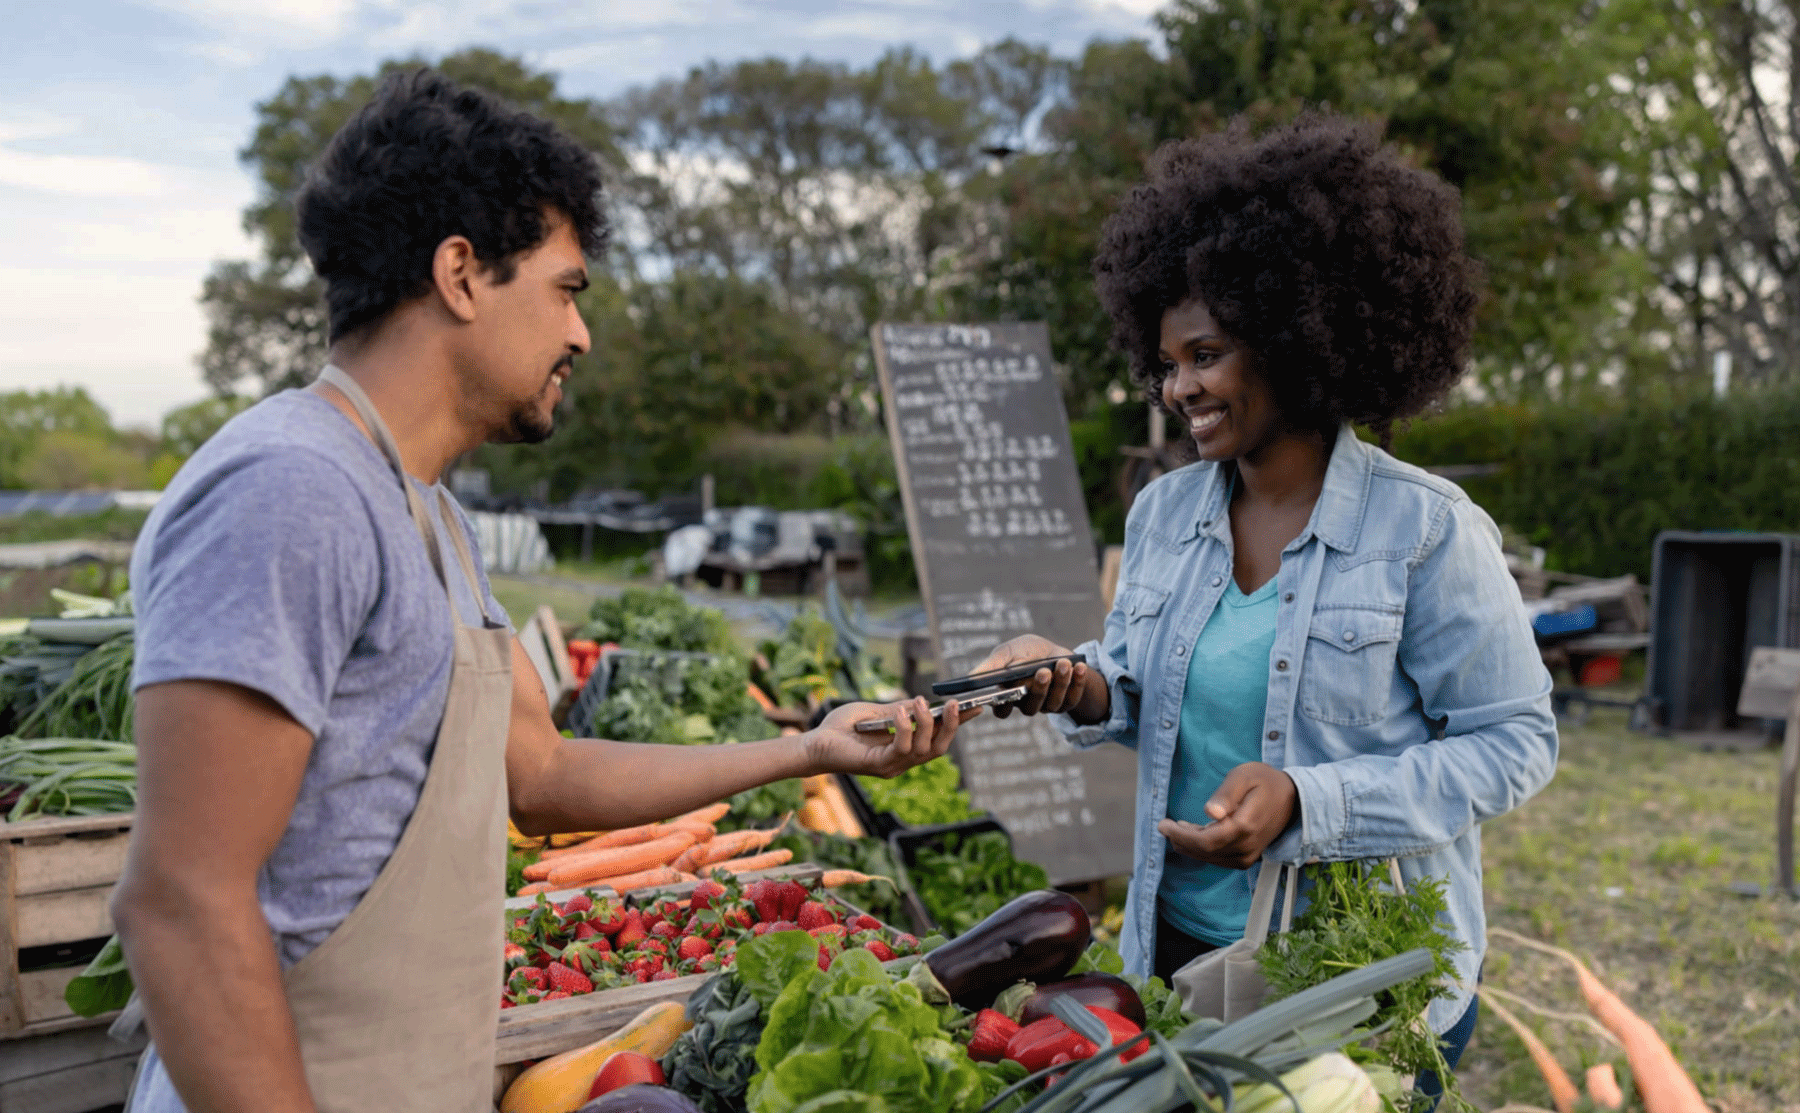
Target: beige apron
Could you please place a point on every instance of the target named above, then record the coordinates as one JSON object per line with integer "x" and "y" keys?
{"x": 397, "y": 1010}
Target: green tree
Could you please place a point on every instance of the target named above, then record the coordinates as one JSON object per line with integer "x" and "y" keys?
{"x": 70, "y": 460}
{"x": 266, "y": 317}
{"x": 186, "y": 428}
{"x": 26, "y": 416}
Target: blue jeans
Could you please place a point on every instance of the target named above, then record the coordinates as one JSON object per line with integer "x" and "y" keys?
{"x": 1454, "y": 1042}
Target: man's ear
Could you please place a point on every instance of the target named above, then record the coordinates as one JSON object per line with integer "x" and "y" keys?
{"x": 454, "y": 268}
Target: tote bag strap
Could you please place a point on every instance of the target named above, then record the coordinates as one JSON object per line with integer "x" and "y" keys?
{"x": 1262, "y": 901}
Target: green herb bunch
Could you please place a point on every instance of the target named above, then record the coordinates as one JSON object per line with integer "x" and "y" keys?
{"x": 923, "y": 795}
{"x": 659, "y": 618}
{"x": 970, "y": 878}
{"x": 1352, "y": 920}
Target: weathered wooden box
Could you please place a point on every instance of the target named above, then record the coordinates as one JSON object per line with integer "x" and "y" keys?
{"x": 56, "y": 876}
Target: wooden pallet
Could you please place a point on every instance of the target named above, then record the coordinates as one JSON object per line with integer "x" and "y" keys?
{"x": 67, "y": 1072}
{"x": 56, "y": 876}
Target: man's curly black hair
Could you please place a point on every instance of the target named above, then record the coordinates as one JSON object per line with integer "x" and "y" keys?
{"x": 426, "y": 159}
{"x": 1339, "y": 266}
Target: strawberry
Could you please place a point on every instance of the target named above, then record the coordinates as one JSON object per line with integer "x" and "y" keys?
{"x": 584, "y": 957}
{"x": 608, "y": 915}
{"x": 568, "y": 979}
{"x": 580, "y": 902}
{"x": 653, "y": 945}
{"x": 557, "y": 995}
{"x": 792, "y": 895}
{"x": 505, "y": 1001}
{"x": 693, "y": 946}
{"x": 515, "y": 956}
{"x": 585, "y": 931}
{"x": 666, "y": 929}
{"x": 704, "y": 895}
{"x": 826, "y": 954}
{"x": 906, "y": 943}
{"x": 812, "y": 915}
{"x": 632, "y": 930}
{"x": 766, "y": 897}
{"x": 760, "y": 929}
{"x": 784, "y": 925}
{"x": 833, "y": 932}
{"x": 862, "y": 921}
{"x": 880, "y": 950}
{"x": 707, "y": 964}
{"x": 737, "y": 916}
{"x": 664, "y": 976}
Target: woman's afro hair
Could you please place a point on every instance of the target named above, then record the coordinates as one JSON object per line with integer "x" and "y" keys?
{"x": 1338, "y": 265}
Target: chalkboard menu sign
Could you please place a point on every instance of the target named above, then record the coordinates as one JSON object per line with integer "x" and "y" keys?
{"x": 1001, "y": 539}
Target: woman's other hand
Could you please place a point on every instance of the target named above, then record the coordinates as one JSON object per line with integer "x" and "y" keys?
{"x": 1255, "y": 803}
{"x": 1077, "y": 690}
{"x": 836, "y": 746}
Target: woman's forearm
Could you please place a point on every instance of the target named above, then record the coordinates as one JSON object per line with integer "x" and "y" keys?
{"x": 204, "y": 965}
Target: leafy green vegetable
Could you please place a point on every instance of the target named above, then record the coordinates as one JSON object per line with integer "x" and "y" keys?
{"x": 104, "y": 986}
{"x": 1162, "y": 1008}
{"x": 516, "y": 861}
{"x": 971, "y": 878}
{"x": 853, "y": 1039}
{"x": 922, "y": 796}
{"x": 767, "y": 963}
{"x": 754, "y": 807}
{"x": 713, "y": 1061}
{"x": 659, "y": 618}
{"x": 1354, "y": 920}
{"x": 679, "y": 700}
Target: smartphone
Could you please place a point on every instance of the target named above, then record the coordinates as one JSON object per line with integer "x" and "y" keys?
{"x": 1011, "y": 674}
{"x": 987, "y": 699}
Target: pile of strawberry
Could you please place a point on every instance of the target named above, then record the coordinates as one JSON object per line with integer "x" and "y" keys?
{"x": 591, "y": 942}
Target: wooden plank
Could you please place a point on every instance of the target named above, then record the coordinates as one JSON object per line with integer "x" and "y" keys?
{"x": 557, "y": 647}
{"x": 12, "y": 1007}
{"x": 74, "y": 1090}
{"x": 62, "y": 917}
{"x": 65, "y": 825}
{"x": 552, "y": 1027}
{"x": 41, "y": 993}
{"x": 46, "y": 1054}
{"x": 1784, "y": 800}
{"x": 53, "y": 865}
{"x": 1770, "y": 682}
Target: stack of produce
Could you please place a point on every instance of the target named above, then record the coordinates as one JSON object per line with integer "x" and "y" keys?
{"x": 826, "y": 809}
{"x": 679, "y": 849}
{"x": 923, "y": 796}
{"x": 821, "y": 657}
{"x": 971, "y": 876}
{"x": 592, "y": 941}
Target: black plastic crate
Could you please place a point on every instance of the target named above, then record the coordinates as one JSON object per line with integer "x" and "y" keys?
{"x": 906, "y": 844}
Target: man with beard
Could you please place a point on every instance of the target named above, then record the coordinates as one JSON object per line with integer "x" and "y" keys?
{"x": 333, "y": 719}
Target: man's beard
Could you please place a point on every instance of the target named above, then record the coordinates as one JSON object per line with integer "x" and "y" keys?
{"x": 529, "y": 427}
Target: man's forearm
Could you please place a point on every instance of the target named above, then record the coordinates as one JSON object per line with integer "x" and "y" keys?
{"x": 205, "y": 966}
{"x": 593, "y": 784}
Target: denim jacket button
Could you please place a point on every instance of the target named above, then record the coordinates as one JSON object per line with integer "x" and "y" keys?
{"x": 1288, "y": 598}
{"x": 1181, "y": 651}
{"x": 1168, "y": 723}
{"x": 1349, "y": 635}
{"x": 1217, "y": 580}
{"x": 1274, "y": 736}
{"x": 1281, "y": 665}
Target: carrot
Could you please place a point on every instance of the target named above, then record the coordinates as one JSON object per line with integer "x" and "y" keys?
{"x": 768, "y": 859}
{"x": 757, "y": 694}
{"x": 572, "y": 838}
{"x": 834, "y": 797}
{"x": 1563, "y": 1093}
{"x": 613, "y": 861}
{"x": 712, "y": 813}
{"x": 1603, "y": 1087}
{"x": 816, "y": 815}
{"x": 1656, "y": 1075}
{"x": 535, "y": 888}
{"x": 643, "y": 879}
{"x": 626, "y": 836}
{"x": 733, "y": 845}
{"x": 837, "y": 879}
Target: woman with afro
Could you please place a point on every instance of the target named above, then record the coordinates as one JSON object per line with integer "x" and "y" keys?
{"x": 1316, "y": 650}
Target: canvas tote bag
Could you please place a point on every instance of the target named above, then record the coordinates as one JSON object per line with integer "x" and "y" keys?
{"x": 1227, "y": 983}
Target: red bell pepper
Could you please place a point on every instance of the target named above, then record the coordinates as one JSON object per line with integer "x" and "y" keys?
{"x": 1038, "y": 1044}
{"x": 993, "y": 1031}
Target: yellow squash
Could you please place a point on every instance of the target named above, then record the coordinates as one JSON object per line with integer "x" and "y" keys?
{"x": 560, "y": 1084}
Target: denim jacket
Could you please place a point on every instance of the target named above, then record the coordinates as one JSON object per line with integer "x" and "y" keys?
{"x": 1406, "y": 696}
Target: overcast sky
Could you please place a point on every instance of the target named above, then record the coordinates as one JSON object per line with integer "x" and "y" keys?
{"x": 120, "y": 122}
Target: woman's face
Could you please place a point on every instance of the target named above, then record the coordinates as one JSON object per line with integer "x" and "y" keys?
{"x": 1212, "y": 385}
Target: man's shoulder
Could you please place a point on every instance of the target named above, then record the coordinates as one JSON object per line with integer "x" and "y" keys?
{"x": 285, "y": 453}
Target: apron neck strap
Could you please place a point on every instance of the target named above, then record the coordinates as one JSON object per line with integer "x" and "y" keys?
{"x": 384, "y": 440}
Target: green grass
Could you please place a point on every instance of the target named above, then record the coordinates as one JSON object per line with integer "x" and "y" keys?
{"x": 1625, "y": 859}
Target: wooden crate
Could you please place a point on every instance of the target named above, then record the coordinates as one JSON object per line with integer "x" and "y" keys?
{"x": 67, "y": 1072}
{"x": 56, "y": 876}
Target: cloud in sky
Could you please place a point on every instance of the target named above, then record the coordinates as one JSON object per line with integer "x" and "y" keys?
{"x": 120, "y": 121}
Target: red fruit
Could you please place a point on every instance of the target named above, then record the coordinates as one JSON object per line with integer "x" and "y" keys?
{"x": 531, "y": 977}
{"x": 993, "y": 1030}
{"x": 581, "y": 902}
{"x": 760, "y": 929}
{"x": 557, "y": 995}
{"x": 632, "y": 930}
{"x": 737, "y": 917}
{"x": 707, "y": 964}
{"x": 812, "y": 915}
{"x": 666, "y": 929}
{"x": 664, "y": 976}
{"x": 906, "y": 943}
{"x": 880, "y": 950}
{"x": 766, "y": 898}
{"x": 568, "y": 979}
{"x": 784, "y": 925}
{"x": 862, "y": 921}
{"x": 505, "y": 1002}
{"x": 692, "y": 946}
{"x": 585, "y": 930}
{"x": 653, "y": 945}
{"x": 515, "y": 956}
{"x": 792, "y": 895}
{"x": 704, "y": 894}
{"x": 625, "y": 1068}
{"x": 608, "y": 915}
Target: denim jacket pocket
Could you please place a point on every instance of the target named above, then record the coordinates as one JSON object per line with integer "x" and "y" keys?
{"x": 1141, "y": 603}
{"x": 1348, "y": 674}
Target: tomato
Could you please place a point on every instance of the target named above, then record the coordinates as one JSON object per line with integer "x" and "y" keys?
{"x": 625, "y": 1068}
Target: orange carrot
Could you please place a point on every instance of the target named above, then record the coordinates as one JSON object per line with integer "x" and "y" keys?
{"x": 643, "y": 879}
{"x": 837, "y": 879}
{"x": 760, "y": 697}
{"x": 735, "y": 844}
{"x": 712, "y": 813}
{"x": 1603, "y": 1087}
{"x": 1659, "y": 1079}
{"x": 535, "y": 888}
{"x": 1563, "y": 1093}
{"x": 582, "y": 847}
{"x": 768, "y": 859}
{"x": 626, "y": 836}
{"x": 613, "y": 861}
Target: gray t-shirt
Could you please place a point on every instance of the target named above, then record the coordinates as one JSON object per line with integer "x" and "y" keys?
{"x": 282, "y": 558}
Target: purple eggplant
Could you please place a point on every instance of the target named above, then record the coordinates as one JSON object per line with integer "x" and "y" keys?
{"x": 642, "y": 1098}
{"x": 1100, "y": 990}
{"x": 1033, "y": 938}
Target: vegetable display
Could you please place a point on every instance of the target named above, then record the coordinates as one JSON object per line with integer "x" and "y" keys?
{"x": 66, "y": 776}
{"x": 712, "y": 1062}
{"x": 561, "y": 1083}
{"x": 970, "y": 878}
{"x": 1036, "y": 938}
{"x": 922, "y": 796}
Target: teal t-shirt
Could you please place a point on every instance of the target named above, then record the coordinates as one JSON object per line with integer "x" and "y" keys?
{"x": 1221, "y": 728}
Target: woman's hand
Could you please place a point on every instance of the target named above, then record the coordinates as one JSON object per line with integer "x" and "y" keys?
{"x": 1076, "y": 690}
{"x": 1254, "y": 805}
{"x": 835, "y": 746}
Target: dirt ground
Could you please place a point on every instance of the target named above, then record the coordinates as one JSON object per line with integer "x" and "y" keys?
{"x": 1627, "y": 859}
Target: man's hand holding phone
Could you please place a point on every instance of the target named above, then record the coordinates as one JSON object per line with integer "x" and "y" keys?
{"x": 1066, "y": 686}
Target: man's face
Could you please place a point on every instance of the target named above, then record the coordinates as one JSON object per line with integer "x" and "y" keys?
{"x": 526, "y": 334}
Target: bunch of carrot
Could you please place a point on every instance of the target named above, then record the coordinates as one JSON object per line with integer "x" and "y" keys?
{"x": 1661, "y": 1083}
{"x": 679, "y": 849}
{"x": 827, "y": 809}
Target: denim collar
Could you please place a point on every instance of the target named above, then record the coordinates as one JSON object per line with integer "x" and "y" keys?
{"x": 1336, "y": 518}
